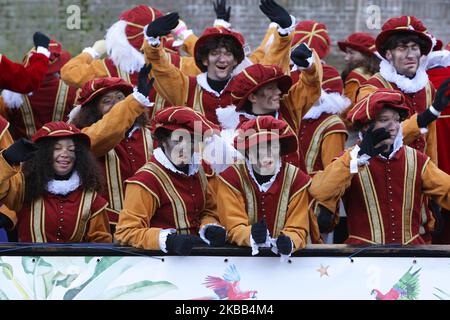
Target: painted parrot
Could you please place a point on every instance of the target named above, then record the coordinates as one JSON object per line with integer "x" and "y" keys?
{"x": 407, "y": 288}
{"x": 228, "y": 286}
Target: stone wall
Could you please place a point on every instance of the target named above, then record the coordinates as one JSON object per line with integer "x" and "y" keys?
{"x": 20, "y": 18}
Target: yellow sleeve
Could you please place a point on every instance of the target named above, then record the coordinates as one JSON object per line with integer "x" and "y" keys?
{"x": 11, "y": 214}
{"x": 436, "y": 184}
{"x": 330, "y": 184}
{"x": 79, "y": 70}
{"x": 134, "y": 220}
{"x": 209, "y": 214}
{"x": 279, "y": 52}
{"x": 106, "y": 133}
{"x": 11, "y": 185}
{"x": 333, "y": 145}
{"x": 188, "y": 67}
{"x": 189, "y": 44}
{"x": 302, "y": 95}
{"x": 232, "y": 213}
{"x": 297, "y": 219}
{"x": 257, "y": 55}
{"x": 350, "y": 91}
{"x": 431, "y": 139}
{"x": 98, "y": 228}
{"x": 170, "y": 82}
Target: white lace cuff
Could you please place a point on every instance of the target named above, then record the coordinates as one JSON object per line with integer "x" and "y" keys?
{"x": 143, "y": 100}
{"x": 202, "y": 231}
{"x": 94, "y": 54}
{"x": 434, "y": 111}
{"x": 163, "y": 234}
{"x": 154, "y": 42}
{"x": 255, "y": 246}
{"x": 274, "y": 249}
{"x": 43, "y": 50}
{"x": 357, "y": 161}
{"x": 222, "y": 23}
{"x": 288, "y": 30}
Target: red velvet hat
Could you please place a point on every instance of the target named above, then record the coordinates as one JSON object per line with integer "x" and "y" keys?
{"x": 403, "y": 24}
{"x": 173, "y": 118}
{"x": 218, "y": 32}
{"x": 359, "y": 41}
{"x": 314, "y": 34}
{"x": 60, "y": 129}
{"x": 367, "y": 109}
{"x": 263, "y": 129}
{"x": 96, "y": 87}
{"x": 332, "y": 81}
{"x": 254, "y": 77}
{"x": 439, "y": 45}
{"x": 447, "y": 47}
{"x": 137, "y": 18}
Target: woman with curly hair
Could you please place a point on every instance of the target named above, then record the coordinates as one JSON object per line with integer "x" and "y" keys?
{"x": 55, "y": 192}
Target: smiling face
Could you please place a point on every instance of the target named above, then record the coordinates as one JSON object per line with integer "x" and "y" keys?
{"x": 265, "y": 157}
{"x": 266, "y": 99}
{"x": 405, "y": 58}
{"x": 220, "y": 63}
{"x": 108, "y": 100}
{"x": 64, "y": 156}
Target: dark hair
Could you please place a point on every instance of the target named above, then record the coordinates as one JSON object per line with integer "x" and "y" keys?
{"x": 161, "y": 135}
{"x": 38, "y": 171}
{"x": 88, "y": 114}
{"x": 227, "y": 42}
{"x": 370, "y": 64}
{"x": 403, "y": 38}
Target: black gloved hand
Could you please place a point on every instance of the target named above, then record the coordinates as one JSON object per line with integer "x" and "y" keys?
{"x": 301, "y": 54}
{"x": 5, "y": 222}
{"x": 181, "y": 244}
{"x": 325, "y": 219}
{"x": 40, "y": 40}
{"x": 370, "y": 139}
{"x": 20, "y": 151}
{"x": 276, "y": 13}
{"x": 216, "y": 236}
{"x": 162, "y": 25}
{"x": 259, "y": 231}
{"x": 441, "y": 101}
{"x": 144, "y": 83}
{"x": 284, "y": 244}
{"x": 221, "y": 11}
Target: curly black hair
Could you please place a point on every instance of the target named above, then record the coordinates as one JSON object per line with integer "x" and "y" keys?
{"x": 403, "y": 38}
{"x": 227, "y": 42}
{"x": 38, "y": 171}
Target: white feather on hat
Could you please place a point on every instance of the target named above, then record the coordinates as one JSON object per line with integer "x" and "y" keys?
{"x": 121, "y": 52}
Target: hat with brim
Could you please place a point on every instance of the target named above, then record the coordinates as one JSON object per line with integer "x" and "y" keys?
{"x": 254, "y": 77}
{"x": 359, "y": 41}
{"x": 97, "y": 87}
{"x": 261, "y": 130}
{"x": 217, "y": 33}
{"x": 367, "y": 109}
{"x": 60, "y": 129}
{"x": 407, "y": 25}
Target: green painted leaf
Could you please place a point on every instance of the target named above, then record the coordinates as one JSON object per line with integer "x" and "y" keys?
{"x": 139, "y": 290}
{"x": 88, "y": 259}
{"x": 36, "y": 265}
{"x": 7, "y": 270}
{"x": 66, "y": 281}
{"x": 104, "y": 264}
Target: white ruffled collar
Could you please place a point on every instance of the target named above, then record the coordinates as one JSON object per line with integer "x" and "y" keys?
{"x": 406, "y": 84}
{"x": 332, "y": 103}
{"x": 161, "y": 157}
{"x": 203, "y": 82}
{"x": 229, "y": 118}
{"x": 266, "y": 185}
{"x": 64, "y": 187}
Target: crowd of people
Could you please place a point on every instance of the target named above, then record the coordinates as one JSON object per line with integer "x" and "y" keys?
{"x": 159, "y": 139}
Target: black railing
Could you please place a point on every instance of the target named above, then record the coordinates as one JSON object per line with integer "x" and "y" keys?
{"x": 92, "y": 249}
